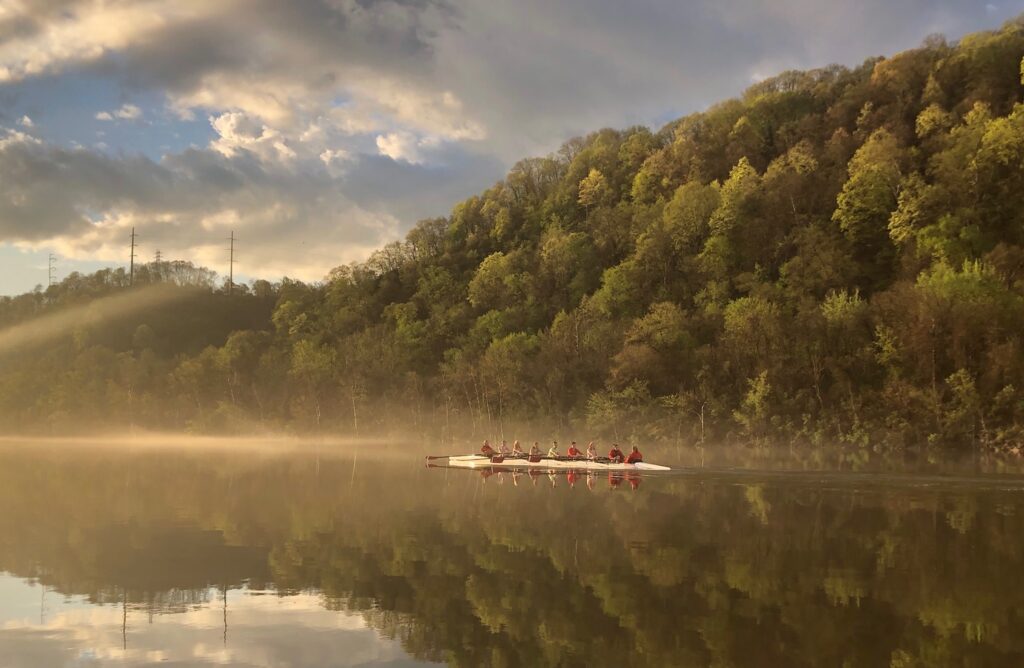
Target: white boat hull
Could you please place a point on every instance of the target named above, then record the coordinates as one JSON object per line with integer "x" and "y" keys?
{"x": 481, "y": 462}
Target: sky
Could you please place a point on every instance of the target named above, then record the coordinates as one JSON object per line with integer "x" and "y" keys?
{"x": 318, "y": 130}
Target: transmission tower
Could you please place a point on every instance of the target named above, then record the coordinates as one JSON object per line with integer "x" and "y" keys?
{"x": 52, "y": 270}
{"x": 131, "y": 262}
{"x": 231, "y": 264}
{"x": 158, "y": 257}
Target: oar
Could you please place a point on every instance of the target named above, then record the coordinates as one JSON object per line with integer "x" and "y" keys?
{"x": 474, "y": 454}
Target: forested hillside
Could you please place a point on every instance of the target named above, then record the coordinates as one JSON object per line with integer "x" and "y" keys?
{"x": 835, "y": 257}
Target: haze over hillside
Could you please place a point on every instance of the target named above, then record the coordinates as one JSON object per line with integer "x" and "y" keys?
{"x": 836, "y": 256}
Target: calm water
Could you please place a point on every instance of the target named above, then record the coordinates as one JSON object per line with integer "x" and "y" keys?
{"x": 136, "y": 556}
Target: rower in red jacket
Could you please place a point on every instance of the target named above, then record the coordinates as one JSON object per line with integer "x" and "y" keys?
{"x": 574, "y": 451}
{"x": 615, "y": 455}
{"x": 487, "y": 450}
{"x": 635, "y": 457}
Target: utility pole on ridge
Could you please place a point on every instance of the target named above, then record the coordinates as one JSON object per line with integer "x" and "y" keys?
{"x": 131, "y": 262}
{"x": 231, "y": 264}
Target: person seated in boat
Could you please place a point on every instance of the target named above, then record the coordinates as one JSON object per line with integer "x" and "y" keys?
{"x": 591, "y": 451}
{"x": 487, "y": 450}
{"x": 615, "y": 454}
{"x": 504, "y": 448}
{"x": 535, "y": 450}
{"x": 574, "y": 452}
{"x": 517, "y": 450}
{"x": 553, "y": 450}
{"x": 634, "y": 457}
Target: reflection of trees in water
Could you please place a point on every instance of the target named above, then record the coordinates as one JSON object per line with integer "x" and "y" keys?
{"x": 683, "y": 572}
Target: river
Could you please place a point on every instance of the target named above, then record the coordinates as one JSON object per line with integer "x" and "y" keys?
{"x": 360, "y": 555}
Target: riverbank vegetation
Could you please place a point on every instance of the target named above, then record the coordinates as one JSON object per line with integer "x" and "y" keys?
{"x": 836, "y": 256}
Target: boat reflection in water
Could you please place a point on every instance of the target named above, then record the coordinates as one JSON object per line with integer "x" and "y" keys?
{"x": 309, "y": 559}
{"x": 571, "y": 477}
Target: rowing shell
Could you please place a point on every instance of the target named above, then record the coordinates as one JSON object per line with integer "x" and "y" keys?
{"x": 480, "y": 461}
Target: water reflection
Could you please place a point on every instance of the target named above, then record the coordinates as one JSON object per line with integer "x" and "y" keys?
{"x": 235, "y": 628}
{"x": 614, "y": 479}
{"x": 306, "y": 559}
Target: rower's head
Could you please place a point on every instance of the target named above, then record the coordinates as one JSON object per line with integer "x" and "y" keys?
{"x": 574, "y": 443}
{"x": 636, "y": 449}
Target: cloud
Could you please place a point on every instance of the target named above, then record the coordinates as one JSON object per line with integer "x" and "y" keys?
{"x": 237, "y": 131}
{"x": 26, "y": 122}
{"x": 299, "y": 217}
{"x": 404, "y": 146}
{"x": 515, "y": 77}
{"x": 82, "y": 202}
{"x": 127, "y": 112}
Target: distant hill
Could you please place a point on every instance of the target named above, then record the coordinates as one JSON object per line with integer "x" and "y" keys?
{"x": 836, "y": 256}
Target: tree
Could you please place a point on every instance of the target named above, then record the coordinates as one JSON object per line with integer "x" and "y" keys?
{"x": 312, "y": 365}
{"x": 593, "y": 190}
{"x": 867, "y": 200}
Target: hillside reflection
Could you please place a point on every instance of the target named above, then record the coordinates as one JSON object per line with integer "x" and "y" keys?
{"x": 527, "y": 570}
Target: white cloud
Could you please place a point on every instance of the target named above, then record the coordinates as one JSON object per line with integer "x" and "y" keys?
{"x": 11, "y": 138}
{"x": 403, "y": 146}
{"x": 26, "y": 122}
{"x": 127, "y": 112}
{"x": 294, "y": 222}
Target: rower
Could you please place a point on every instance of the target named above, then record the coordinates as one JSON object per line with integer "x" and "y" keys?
{"x": 504, "y": 448}
{"x": 591, "y": 451}
{"x": 517, "y": 450}
{"x": 535, "y": 450}
{"x": 553, "y": 450}
{"x": 635, "y": 457}
{"x": 574, "y": 452}
{"x": 487, "y": 450}
{"x": 615, "y": 454}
